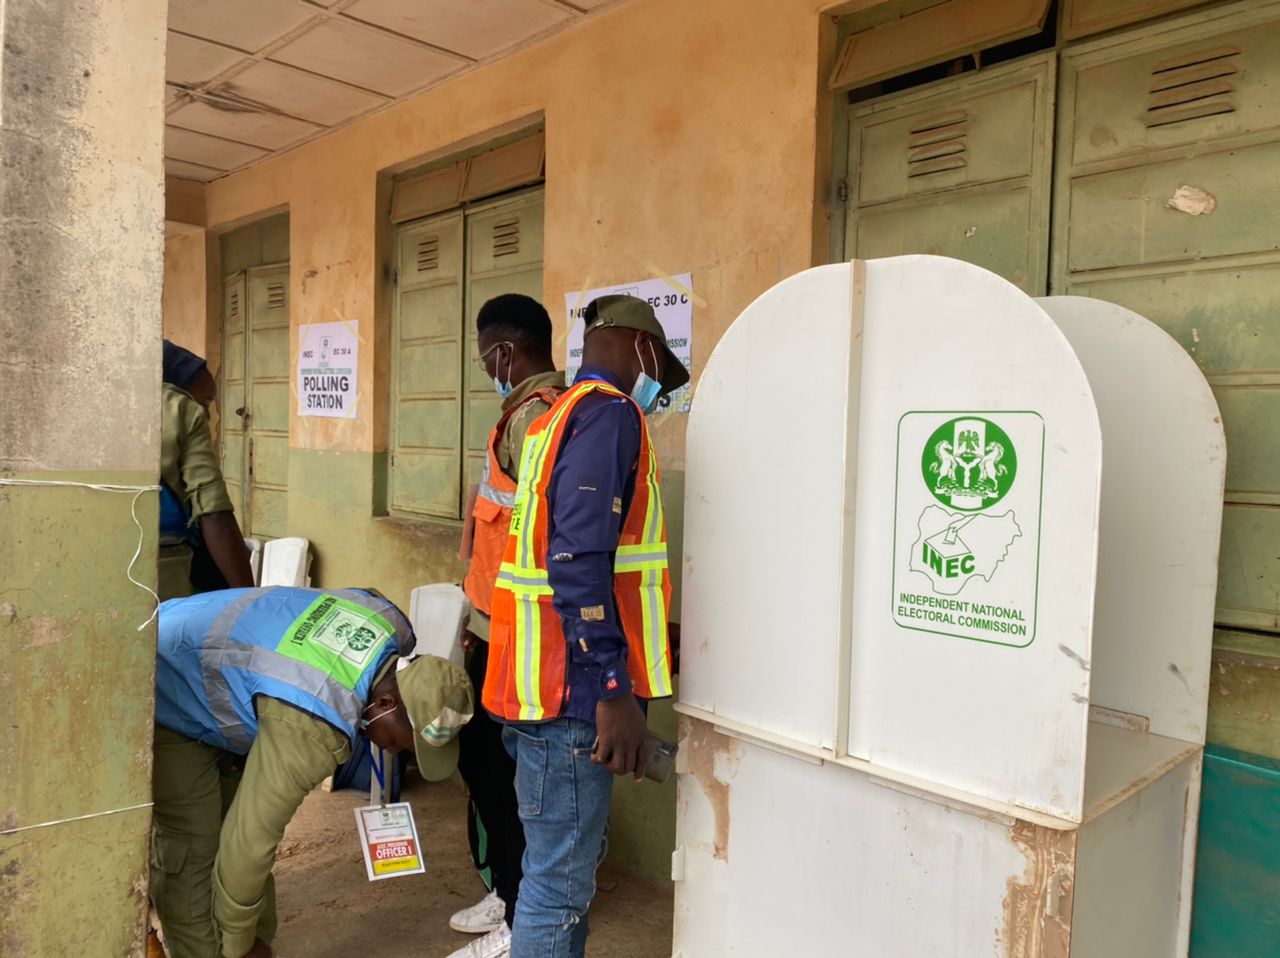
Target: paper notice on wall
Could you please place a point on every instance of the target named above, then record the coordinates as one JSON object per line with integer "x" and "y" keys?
{"x": 328, "y": 355}
{"x": 672, "y": 302}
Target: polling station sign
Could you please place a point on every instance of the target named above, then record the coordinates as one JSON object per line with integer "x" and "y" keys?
{"x": 328, "y": 354}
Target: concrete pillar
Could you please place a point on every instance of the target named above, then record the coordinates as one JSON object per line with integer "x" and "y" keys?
{"x": 81, "y": 236}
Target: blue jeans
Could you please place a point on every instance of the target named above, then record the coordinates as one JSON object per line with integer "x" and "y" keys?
{"x": 564, "y": 806}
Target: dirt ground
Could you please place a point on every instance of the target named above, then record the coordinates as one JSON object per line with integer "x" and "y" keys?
{"x": 329, "y": 909}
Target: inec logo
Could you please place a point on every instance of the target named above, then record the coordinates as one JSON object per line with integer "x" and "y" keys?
{"x": 969, "y": 463}
{"x": 358, "y": 638}
{"x": 966, "y": 540}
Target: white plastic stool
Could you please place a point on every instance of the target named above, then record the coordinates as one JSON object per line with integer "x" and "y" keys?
{"x": 438, "y": 614}
{"x": 255, "y": 558}
{"x": 286, "y": 562}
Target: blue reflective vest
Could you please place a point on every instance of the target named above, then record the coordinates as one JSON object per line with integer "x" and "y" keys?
{"x": 317, "y": 649}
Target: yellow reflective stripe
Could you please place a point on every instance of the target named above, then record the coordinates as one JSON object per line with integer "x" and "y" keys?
{"x": 534, "y": 456}
{"x": 518, "y": 580}
{"x": 528, "y": 625}
{"x": 653, "y": 610}
{"x": 529, "y": 656}
{"x": 650, "y": 558}
{"x": 639, "y": 557}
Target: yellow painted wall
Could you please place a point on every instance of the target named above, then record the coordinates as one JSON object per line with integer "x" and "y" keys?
{"x": 680, "y": 135}
{"x": 186, "y": 318}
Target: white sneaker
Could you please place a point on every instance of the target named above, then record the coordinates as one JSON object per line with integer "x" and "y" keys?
{"x": 496, "y": 944}
{"x": 485, "y": 916}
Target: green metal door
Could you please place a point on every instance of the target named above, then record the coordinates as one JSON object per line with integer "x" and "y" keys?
{"x": 231, "y": 397}
{"x": 957, "y": 168}
{"x": 256, "y": 398}
{"x": 426, "y": 369}
{"x": 1166, "y": 202}
{"x": 443, "y": 407}
{"x": 267, "y": 401}
{"x": 504, "y": 255}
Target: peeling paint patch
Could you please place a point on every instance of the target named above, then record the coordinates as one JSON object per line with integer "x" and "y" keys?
{"x": 971, "y": 232}
{"x": 1038, "y": 906}
{"x": 1192, "y": 200}
{"x": 713, "y": 762}
{"x": 45, "y": 630}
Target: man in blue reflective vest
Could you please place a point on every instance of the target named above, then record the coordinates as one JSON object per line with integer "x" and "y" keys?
{"x": 260, "y": 695}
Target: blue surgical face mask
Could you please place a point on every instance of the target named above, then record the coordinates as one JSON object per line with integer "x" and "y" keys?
{"x": 647, "y": 389}
{"x": 502, "y": 388}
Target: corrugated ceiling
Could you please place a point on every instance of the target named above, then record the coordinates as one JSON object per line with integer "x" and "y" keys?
{"x": 249, "y": 78}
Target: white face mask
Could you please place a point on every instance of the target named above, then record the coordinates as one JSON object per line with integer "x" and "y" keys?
{"x": 364, "y": 723}
{"x": 646, "y": 390}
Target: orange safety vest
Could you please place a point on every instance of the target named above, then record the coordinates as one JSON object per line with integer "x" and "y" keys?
{"x": 527, "y": 678}
{"x": 491, "y": 513}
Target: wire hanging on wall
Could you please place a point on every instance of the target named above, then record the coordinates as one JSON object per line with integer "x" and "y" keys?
{"x": 133, "y": 513}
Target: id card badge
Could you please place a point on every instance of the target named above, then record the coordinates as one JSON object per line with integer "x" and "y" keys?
{"x": 389, "y": 839}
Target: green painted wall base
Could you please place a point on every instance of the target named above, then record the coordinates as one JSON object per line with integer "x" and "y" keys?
{"x": 78, "y": 888}
{"x": 76, "y": 694}
{"x": 642, "y": 829}
{"x": 333, "y": 497}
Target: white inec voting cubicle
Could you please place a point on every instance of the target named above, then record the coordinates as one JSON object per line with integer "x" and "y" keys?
{"x": 950, "y": 564}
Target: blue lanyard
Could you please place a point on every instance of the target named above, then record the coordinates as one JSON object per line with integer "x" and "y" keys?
{"x": 377, "y": 769}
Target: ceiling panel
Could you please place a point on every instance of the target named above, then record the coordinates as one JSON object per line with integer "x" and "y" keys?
{"x": 245, "y": 125}
{"x": 476, "y": 28}
{"x": 367, "y": 57}
{"x": 190, "y": 171}
{"x": 246, "y": 24}
{"x": 249, "y": 78}
{"x": 191, "y": 61}
{"x": 208, "y": 150}
{"x": 298, "y": 93}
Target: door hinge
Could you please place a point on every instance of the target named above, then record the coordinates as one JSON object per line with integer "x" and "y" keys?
{"x": 842, "y": 191}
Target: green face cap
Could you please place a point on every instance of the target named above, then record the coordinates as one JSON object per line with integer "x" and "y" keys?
{"x": 628, "y": 312}
{"x": 440, "y": 701}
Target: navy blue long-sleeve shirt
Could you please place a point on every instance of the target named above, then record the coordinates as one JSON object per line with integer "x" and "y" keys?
{"x": 590, "y": 491}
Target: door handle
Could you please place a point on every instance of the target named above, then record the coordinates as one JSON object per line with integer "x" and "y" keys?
{"x": 243, "y": 413}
